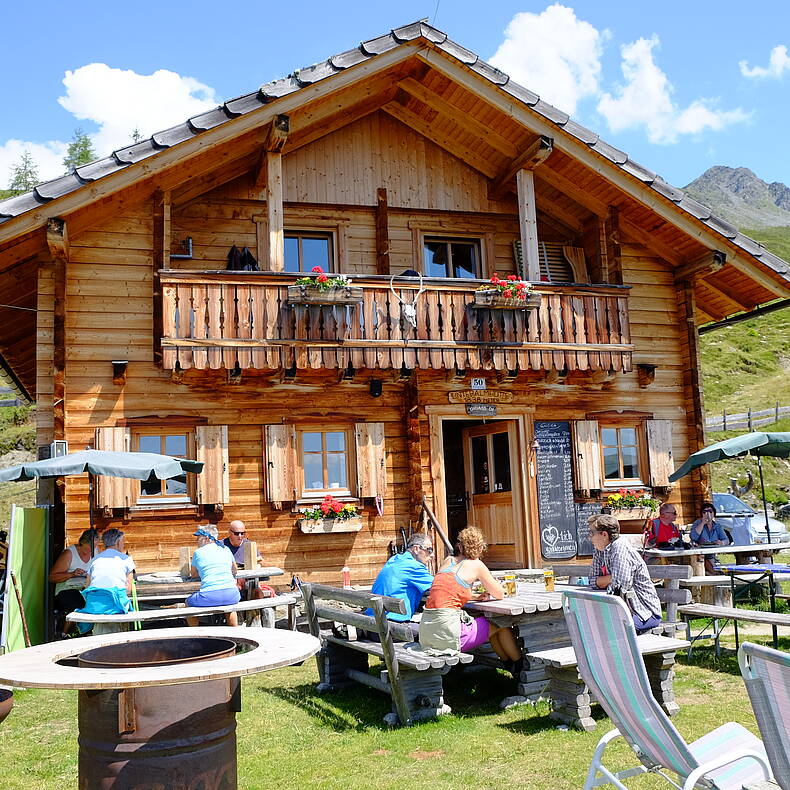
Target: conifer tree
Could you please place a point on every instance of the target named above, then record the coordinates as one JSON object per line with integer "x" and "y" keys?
{"x": 24, "y": 174}
{"x": 79, "y": 152}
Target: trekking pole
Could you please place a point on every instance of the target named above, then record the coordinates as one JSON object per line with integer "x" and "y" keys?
{"x": 137, "y": 625}
{"x": 21, "y": 609}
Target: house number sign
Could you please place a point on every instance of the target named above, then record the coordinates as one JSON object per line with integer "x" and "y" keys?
{"x": 478, "y": 384}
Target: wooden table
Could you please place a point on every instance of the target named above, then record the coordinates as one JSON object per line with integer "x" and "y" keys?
{"x": 694, "y": 554}
{"x": 536, "y": 617}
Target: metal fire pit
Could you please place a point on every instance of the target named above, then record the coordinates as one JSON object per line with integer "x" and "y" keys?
{"x": 157, "y": 712}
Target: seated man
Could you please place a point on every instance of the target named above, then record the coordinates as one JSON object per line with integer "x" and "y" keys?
{"x": 618, "y": 568}
{"x": 213, "y": 564}
{"x": 109, "y": 579}
{"x": 235, "y": 542}
{"x": 662, "y": 533}
{"x": 406, "y": 576}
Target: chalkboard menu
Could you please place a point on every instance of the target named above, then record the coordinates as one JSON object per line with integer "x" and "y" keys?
{"x": 583, "y": 511}
{"x": 556, "y": 509}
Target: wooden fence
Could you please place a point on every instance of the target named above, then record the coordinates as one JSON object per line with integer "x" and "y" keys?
{"x": 750, "y": 419}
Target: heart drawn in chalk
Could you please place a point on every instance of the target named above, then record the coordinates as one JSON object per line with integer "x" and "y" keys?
{"x": 550, "y": 535}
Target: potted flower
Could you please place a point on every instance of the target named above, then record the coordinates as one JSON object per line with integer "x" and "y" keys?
{"x": 509, "y": 294}
{"x": 628, "y": 505}
{"x": 330, "y": 515}
{"x": 320, "y": 288}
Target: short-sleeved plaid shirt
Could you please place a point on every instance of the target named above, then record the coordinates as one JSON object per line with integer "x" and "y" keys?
{"x": 628, "y": 572}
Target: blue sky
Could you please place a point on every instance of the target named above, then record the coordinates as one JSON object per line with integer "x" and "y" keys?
{"x": 680, "y": 86}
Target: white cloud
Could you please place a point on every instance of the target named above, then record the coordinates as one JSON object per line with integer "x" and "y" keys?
{"x": 47, "y": 156}
{"x": 645, "y": 100}
{"x": 553, "y": 54}
{"x": 120, "y": 101}
{"x": 117, "y": 101}
{"x": 778, "y": 64}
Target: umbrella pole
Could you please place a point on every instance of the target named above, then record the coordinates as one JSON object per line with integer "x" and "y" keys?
{"x": 765, "y": 504}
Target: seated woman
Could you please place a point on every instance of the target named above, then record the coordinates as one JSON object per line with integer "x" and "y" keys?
{"x": 69, "y": 574}
{"x": 706, "y": 532}
{"x": 214, "y": 565}
{"x": 109, "y": 580}
{"x": 445, "y": 626}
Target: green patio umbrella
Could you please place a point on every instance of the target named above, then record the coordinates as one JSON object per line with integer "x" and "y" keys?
{"x": 756, "y": 443}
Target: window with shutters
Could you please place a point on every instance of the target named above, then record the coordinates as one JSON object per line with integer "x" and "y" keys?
{"x": 180, "y": 438}
{"x": 305, "y": 462}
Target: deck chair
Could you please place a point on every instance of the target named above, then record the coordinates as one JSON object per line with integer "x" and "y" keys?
{"x": 603, "y": 636}
{"x": 766, "y": 673}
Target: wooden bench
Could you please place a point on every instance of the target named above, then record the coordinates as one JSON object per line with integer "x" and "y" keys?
{"x": 716, "y": 613}
{"x": 153, "y": 615}
{"x": 570, "y": 697}
{"x": 669, "y": 593}
{"x": 714, "y": 590}
{"x": 412, "y": 678}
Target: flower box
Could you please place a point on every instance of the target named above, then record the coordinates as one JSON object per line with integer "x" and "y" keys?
{"x": 317, "y": 526}
{"x": 308, "y": 294}
{"x": 633, "y": 513}
{"x": 493, "y": 299}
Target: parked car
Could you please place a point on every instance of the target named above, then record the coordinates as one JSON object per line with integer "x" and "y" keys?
{"x": 784, "y": 511}
{"x": 744, "y": 524}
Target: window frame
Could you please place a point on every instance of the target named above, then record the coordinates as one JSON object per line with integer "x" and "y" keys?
{"x": 477, "y": 242}
{"x": 641, "y": 453}
{"x": 312, "y": 495}
{"x": 301, "y": 233}
{"x": 149, "y": 500}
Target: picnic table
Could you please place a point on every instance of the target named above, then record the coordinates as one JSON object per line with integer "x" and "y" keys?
{"x": 537, "y": 617}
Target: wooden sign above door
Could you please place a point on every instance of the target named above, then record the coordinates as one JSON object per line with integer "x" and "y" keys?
{"x": 480, "y": 396}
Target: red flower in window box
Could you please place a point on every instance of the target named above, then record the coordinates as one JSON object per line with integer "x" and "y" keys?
{"x": 331, "y": 508}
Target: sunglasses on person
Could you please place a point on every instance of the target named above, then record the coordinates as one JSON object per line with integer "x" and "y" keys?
{"x": 427, "y": 549}
{"x": 243, "y": 532}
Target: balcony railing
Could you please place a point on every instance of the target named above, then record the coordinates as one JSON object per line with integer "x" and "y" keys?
{"x": 215, "y": 320}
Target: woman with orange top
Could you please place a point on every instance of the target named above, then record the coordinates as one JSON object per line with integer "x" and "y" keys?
{"x": 445, "y": 626}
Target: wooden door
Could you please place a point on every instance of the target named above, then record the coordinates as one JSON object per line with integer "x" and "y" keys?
{"x": 492, "y": 485}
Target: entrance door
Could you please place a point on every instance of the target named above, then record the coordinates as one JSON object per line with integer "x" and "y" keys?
{"x": 492, "y": 488}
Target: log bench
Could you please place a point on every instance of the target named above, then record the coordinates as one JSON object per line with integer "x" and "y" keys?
{"x": 716, "y": 613}
{"x": 154, "y": 615}
{"x": 412, "y": 678}
{"x": 668, "y": 580}
{"x": 570, "y": 697}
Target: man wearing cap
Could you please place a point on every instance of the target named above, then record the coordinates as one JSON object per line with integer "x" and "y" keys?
{"x": 213, "y": 563}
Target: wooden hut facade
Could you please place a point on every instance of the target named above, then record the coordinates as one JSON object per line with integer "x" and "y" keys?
{"x": 419, "y": 171}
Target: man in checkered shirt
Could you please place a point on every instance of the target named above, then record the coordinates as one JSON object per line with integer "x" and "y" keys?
{"x": 618, "y": 568}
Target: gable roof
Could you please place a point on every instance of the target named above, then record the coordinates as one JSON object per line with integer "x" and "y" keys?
{"x": 128, "y": 155}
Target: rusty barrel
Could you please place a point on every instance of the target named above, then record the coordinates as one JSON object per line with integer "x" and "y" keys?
{"x": 176, "y": 737}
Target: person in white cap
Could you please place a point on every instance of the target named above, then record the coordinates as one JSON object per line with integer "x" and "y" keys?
{"x": 213, "y": 564}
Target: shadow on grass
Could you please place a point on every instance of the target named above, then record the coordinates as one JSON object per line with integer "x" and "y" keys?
{"x": 469, "y": 694}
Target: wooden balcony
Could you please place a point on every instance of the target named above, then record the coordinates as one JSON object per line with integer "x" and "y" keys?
{"x": 213, "y": 320}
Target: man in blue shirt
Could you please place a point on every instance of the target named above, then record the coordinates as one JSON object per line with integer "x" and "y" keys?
{"x": 407, "y": 576}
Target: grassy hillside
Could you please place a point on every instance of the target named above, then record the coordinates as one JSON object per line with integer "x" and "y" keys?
{"x": 748, "y": 364}
{"x": 17, "y": 442}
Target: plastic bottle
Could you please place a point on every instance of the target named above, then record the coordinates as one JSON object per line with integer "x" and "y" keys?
{"x": 346, "y": 571}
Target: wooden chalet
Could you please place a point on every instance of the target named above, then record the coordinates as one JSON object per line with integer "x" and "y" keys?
{"x": 407, "y": 154}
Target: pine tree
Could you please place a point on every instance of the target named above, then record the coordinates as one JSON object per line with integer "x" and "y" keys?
{"x": 24, "y": 174}
{"x": 79, "y": 152}
{"x": 136, "y": 135}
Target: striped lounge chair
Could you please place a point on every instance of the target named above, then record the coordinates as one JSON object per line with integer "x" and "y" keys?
{"x": 766, "y": 673}
{"x": 604, "y": 640}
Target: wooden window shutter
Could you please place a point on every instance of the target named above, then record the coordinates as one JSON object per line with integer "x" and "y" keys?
{"x": 280, "y": 464}
{"x": 659, "y": 451}
{"x": 588, "y": 456}
{"x": 371, "y": 461}
{"x": 115, "y": 492}
{"x": 213, "y": 483}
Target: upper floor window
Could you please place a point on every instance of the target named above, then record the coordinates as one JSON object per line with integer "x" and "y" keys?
{"x": 620, "y": 450}
{"x": 451, "y": 257}
{"x": 306, "y": 249}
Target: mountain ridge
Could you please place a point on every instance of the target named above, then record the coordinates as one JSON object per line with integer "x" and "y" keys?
{"x": 740, "y": 197}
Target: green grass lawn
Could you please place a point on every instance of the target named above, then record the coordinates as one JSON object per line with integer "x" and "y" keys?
{"x": 290, "y": 737}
